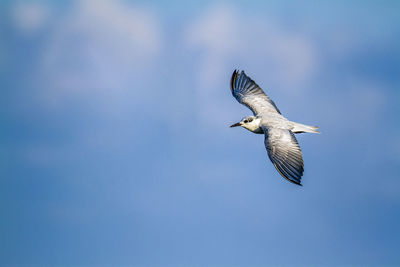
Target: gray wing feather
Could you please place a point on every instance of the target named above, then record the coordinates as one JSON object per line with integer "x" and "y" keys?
{"x": 248, "y": 93}
{"x": 285, "y": 153}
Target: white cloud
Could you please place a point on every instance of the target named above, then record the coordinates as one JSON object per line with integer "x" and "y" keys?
{"x": 138, "y": 28}
{"x": 29, "y": 17}
{"x": 226, "y": 35}
{"x": 215, "y": 33}
{"x": 98, "y": 50}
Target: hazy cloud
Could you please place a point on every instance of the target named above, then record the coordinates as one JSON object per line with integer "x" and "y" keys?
{"x": 30, "y": 17}
{"x": 224, "y": 38}
{"x": 98, "y": 50}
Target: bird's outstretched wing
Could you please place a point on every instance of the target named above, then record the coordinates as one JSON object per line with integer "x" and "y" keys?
{"x": 285, "y": 153}
{"x": 248, "y": 93}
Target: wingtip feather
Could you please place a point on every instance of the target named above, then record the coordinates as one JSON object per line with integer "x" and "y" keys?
{"x": 292, "y": 180}
{"x": 233, "y": 79}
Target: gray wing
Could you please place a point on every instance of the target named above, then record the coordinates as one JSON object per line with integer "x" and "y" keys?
{"x": 248, "y": 93}
{"x": 285, "y": 153}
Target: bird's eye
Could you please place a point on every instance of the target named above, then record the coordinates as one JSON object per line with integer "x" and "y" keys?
{"x": 250, "y": 119}
{"x": 245, "y": 121}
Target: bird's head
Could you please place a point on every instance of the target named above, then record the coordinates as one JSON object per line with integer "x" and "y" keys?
{"x": 250, "y": 123}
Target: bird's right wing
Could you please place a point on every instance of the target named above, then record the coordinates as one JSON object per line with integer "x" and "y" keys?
{"x": 285, "y": 153}
{"x": 248, "y": 93}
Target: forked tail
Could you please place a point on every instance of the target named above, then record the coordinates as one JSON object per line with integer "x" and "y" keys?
{"x": 302, "y": 128}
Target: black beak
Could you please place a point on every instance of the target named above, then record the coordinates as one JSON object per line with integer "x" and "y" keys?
{"x": 235, "y": 125}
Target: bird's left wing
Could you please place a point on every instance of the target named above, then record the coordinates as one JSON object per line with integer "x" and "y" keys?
{"x": 285, "y": 153}
{"x": 248, "y": 93}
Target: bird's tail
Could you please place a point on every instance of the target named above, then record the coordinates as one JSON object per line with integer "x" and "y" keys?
{"x": 302, "y": 128}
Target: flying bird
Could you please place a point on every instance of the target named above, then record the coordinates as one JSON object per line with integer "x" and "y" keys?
{"x": 281, "y": 144}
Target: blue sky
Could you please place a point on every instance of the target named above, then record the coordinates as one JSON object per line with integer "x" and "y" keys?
{"x": 116, "y": 150}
